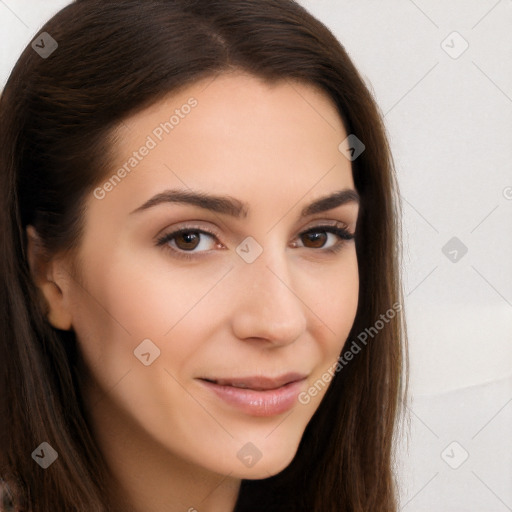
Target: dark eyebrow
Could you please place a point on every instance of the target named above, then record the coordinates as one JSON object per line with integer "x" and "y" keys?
{"x": 220, "y": 204}
{"x": 230, "y": 206}
{"x": 331, "y": 201}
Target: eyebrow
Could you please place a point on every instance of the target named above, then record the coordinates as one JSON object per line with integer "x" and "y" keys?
{"x": 230, "y": 206}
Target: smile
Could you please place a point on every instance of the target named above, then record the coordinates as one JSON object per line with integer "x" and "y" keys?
{"x": 258, "y": 396}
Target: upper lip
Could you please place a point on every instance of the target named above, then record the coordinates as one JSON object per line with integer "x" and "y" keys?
{"x": 260, "y": 383}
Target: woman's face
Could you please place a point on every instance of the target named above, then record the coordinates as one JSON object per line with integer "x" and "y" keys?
{"x": 244, "y": 297}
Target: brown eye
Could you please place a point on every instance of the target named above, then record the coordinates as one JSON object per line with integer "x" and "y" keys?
{"x": 324, "y": 237}
{"x": 187, "y": 240}
{"x": 317, "y": 239}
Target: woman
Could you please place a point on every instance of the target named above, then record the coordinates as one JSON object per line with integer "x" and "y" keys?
{"x": 200, "y": 265}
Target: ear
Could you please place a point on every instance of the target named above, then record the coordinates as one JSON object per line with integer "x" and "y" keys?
{"x": 51, "y": 279}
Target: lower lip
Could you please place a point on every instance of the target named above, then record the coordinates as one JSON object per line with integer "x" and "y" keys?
{"x": 259, "y": 403}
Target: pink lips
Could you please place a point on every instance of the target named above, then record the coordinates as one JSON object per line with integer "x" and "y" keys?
{"x": 258, "y": 396}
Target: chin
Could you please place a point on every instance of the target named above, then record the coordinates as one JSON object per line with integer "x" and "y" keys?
{"x": 268, "y": 466}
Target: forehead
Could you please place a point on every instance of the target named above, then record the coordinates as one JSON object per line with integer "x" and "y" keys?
{"x": 233, "y": 134}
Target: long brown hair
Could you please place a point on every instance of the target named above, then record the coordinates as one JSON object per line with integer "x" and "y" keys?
{"x": 114, "y": 58}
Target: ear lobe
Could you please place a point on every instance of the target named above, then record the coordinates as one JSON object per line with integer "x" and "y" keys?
{"x": 43, "y": 270}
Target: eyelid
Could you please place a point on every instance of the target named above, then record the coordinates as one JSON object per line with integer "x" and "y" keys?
{"x": 314, "y": 223}
{"x": 318, "y": 223}
{"x": 187, "y": 227}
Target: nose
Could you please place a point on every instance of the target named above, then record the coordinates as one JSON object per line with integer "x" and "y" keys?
{"x": 268, "y": 308}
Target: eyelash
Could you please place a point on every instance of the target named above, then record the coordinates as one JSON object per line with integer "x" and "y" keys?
{"x": 341, "y": 232}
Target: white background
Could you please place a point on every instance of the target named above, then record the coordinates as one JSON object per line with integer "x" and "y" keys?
{"x": 449, "y": 119}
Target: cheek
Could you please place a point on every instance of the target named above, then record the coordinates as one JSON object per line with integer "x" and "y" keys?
{"x": 337, "y": 307}
{"x": 150, "y": 295}
{"x": 332, "y": 295}
{"x": 125, "y": 300}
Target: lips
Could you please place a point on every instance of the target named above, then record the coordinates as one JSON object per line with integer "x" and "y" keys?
{"x": 258, "y": 383}
{"x": 257, "y": 396}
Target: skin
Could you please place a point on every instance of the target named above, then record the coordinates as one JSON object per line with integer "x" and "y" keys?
{"x": 171, "y": 443}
